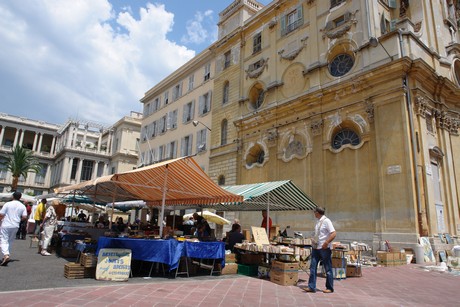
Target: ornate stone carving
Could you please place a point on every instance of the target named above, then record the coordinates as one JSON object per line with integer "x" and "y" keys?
{"x": 293, "y": 53}
{"x": 332, "y": 31}
{"x": 256, "y": 72}
{"x": 421, "y": 106}
{"x": 369, "y": 110}
{"x": 316, "y": 127}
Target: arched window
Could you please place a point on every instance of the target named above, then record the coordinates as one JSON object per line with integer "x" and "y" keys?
{"x": 256, "y": 96}
{"x": 223, "y": 132}
{"x": 225, "y": 93}
{"x": 221, "y": 180}
{"x": 341, "y": 64}
{"x": 344, "y": 137}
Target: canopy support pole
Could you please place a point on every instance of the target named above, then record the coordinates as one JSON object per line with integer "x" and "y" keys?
{"x": 163, "y": 201}
{"x": 113, "y": 209}
{"x": 267, "y": 226}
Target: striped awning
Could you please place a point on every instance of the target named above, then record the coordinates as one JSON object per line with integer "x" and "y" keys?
{"x": 276, "y": 195}
{"x": 180, "y": 181}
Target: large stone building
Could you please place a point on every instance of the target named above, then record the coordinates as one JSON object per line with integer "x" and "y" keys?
{"x": 71, "y": 153}
{"x": 356, "y": 101}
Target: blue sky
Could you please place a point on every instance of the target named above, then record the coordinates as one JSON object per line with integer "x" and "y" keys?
{"x": 95, "y": 59}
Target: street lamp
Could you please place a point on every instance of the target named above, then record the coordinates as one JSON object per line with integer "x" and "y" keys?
{"x": 196, "y": 122}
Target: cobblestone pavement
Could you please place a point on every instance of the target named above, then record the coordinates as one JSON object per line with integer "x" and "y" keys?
{"x": 33, "y": 280}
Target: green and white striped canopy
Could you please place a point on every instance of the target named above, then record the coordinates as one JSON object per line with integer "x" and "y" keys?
{"x": 276, "y": 195}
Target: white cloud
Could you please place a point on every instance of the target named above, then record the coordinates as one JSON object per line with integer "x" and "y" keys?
{"x": 198, "y": 28}
{"x": 63, "y": 58}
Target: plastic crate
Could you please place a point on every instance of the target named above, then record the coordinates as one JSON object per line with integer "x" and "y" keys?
{"x": 248, "y": 270}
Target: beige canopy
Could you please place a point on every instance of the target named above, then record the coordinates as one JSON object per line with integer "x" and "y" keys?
{"x": 178, "y": 181}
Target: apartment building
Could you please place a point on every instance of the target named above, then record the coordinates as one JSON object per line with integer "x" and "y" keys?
{"x": 71, "y": 153}
{"x": 177, "y": 114}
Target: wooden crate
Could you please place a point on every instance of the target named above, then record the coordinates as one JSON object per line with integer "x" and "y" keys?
{"x": 88, "y": 260}
{"x": 73, "y": 270}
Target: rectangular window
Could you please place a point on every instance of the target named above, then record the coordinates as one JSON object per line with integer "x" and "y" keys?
{"x": 227, "y": 59}
{"x": 73, "y": 172}
{"x": 188, "y": 111}
{"x": 161, "y": 153}
{"x": 177, "y": 92}
{"x": 172, "y": 119}
{"x": 156, "y": 104}
{"x": 226, "y": 92}
{"x": 204, "y": 104}
{"x": 146, "y": 109}
{"x": 163, "y": 124}
{"x": 292, "y": 20}
{"x": 144, "y": 134}
{"x": 40, "y": 177}
{"x": 207, "y": 72}
{"x": 153, "y": 129}
{"x": 257, "y": 43}
{"x": 336, "y": 2}
{"x": 186, "y": 146}
{"x": 2, "y": 170}
{"x": 201, "y": 140}
{"x": 190, "y": 82}
{"x": 86, "y": 170}
{"x": 172, "y": 150}
{"x": 166, "y": 97}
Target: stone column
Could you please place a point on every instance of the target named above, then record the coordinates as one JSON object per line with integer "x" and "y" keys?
{"x": 53, "y": 150}
{"x": 95, "y": 165}
{"x": 40, "y": 139}
{"x": 35, "y": 142}
{"x": 2, "y": 133}
{"x": 78, "y": 174}
{"x": 16, "y": 137}
{"x": 21, "y": 138}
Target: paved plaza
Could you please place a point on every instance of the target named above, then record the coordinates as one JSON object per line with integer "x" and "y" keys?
{"x": 33, "y": 280}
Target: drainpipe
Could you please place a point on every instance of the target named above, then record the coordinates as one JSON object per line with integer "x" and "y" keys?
{"x": 412, "y": 135}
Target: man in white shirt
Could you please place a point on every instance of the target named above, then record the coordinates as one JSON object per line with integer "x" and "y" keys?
{"x": 11, "y": 215}
{"x": 324, "y": 235}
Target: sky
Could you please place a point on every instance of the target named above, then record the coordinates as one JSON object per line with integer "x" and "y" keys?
{"x": 93, "y": 60}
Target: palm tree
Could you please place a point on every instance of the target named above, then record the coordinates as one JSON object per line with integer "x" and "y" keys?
{"x": 19, "y": 163}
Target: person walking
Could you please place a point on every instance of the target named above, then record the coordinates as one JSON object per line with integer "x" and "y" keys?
{"x": 48, "y": 225}
{"x": 11, "y": 215}
{"x": 39, "y": 215}
{"x": 324, "y": 235}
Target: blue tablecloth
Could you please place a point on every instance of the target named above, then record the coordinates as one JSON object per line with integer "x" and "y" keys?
{"x": 164, "y": 251}
{"x": 205, "y": 250}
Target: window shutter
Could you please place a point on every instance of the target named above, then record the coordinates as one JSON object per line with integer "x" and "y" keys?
{"x": 192, "y": 110}
{"x": 393, "y": 24}
{"x": 300, "y": 15}
{"x": 201, "y": 105}
{"x": 190, "y": 142}
{"x": 184, "y": 114}
{"x": 283, "y": 25}
{"x": 220, "y": 63}
{"x": 392, "y": 4}
{"x": 208, "y": 102}
{"x": 329, "y": 25}
{"x": 235, "y": 54}
{"x": 168, "y": 120}
{"x": 182, "y": 146}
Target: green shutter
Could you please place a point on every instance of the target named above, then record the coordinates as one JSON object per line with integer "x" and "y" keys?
{"x": 300, "y": 15}
{"x": 283, "y": 25}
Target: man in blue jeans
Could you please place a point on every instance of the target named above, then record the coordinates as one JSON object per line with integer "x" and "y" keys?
{"x": 324, "y": 235}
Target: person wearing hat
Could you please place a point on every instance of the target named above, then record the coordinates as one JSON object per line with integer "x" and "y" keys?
{"x": 11, "y": 215}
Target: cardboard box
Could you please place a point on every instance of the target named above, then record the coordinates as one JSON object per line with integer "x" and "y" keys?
{"x": 263, "y": 272}
{"x": 285, "y": 266}
{"x": 251, "y": 259}
{"x": 338, "y": 262}
{"x": 230, "y": 258}
{"x": 273, "y": 232}
{"x": 354, "y": 271}
{"x": 230, "y": 268}
{"x": 247, "y": 234}
{"x": 284, "y": 279}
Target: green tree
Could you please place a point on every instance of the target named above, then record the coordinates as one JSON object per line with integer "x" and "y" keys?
{"x": 19, "y": 162}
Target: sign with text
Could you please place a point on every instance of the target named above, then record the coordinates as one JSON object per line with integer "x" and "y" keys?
{"x": 260, "y": 235}
{"x": 113, "y": 264}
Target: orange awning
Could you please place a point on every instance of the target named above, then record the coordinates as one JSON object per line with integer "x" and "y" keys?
{"x": 186, "y": 184}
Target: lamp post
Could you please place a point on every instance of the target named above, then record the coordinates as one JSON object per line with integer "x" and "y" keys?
{"x": 196, "y": 122}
